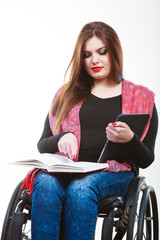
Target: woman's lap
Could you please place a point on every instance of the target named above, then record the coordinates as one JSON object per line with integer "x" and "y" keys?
{"x": 81, "y": 194}
{"x": 104, "y": 183}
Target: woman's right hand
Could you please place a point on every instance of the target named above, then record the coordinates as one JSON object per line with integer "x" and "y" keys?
{"x": 68, "y": 145}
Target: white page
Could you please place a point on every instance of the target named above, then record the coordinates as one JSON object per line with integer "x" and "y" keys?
{"x": 60, "y": 163}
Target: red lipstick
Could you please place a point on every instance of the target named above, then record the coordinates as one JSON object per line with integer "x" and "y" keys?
{"x": 96, "y": 69}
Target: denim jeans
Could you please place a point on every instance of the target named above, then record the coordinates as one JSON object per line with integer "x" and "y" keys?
{"x": 80, "y": 193}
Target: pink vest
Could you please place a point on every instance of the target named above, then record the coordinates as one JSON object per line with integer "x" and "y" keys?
{"x": 135, "y": 99}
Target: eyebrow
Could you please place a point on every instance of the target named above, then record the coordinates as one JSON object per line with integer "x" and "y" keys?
{"x": 96, "y": 50}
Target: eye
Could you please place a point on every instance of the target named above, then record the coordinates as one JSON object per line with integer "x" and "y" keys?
{"x": 86, "y": 54}
{"x": 103, "y": 51}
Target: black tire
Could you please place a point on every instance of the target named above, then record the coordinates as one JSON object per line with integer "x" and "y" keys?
{"x": 10, "y": 210}
{"x": 16, "y": 224}
{"x": 133, "y": 212}
{"x": 148, "y": 216}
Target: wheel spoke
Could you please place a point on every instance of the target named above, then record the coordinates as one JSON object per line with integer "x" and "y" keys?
{"x": 144, "y": 236}
{"x": 135, "y": 237}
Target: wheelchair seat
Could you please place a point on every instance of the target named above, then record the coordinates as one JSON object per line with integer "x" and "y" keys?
{"x": 132, "y": 217}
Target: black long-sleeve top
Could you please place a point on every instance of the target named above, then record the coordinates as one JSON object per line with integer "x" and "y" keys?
{"x": 95, "y": 115}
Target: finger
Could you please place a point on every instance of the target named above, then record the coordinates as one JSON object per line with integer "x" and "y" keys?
{"x": 62, "y": 148}
{"x": 113, "y": 135}
{"x": 112, "y": 131}
{"x": 69, "y": 151}
{"x": 74, "y": 147}
{"x": 68, "y": 145}
{"x": 117, "y": 124}
{"x": 111, "y": 127}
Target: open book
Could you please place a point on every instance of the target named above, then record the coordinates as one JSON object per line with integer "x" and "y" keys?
{"x": 57, "y": 163}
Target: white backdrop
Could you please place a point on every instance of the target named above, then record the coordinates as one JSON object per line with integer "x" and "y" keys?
{"x": 37, "y": 38}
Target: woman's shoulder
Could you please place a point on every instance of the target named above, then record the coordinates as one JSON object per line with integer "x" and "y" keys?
{"x": 58, "y": 92}
{"x": 136, "y": 87}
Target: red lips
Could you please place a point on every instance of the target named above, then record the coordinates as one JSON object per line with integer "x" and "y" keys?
{"x": 96, "y": 69}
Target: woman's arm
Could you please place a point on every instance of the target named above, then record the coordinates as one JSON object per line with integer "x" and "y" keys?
{"x": 141, "y": 153}
{"x": 48, "y": 143}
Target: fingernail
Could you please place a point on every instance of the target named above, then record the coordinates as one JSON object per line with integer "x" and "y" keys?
{"x": 114, "y": 123}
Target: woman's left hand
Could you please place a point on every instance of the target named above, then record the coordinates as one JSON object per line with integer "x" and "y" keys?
{"x": 119, "y": 132}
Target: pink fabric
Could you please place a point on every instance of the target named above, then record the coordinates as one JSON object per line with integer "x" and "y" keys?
{"x": 135, "y": 99}
{"x": 29, "y": 179}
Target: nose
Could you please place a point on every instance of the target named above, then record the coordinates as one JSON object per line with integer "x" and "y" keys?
{"x": 94, "y": 59}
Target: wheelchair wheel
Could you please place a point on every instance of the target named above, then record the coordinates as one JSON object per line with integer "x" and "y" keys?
{"x": 143, "y": 215}
{"x": 148, "y": 216}
{"x": 132, "y": 210}
{"x": 11, "y": 208}
{"x": 15, "y": 217}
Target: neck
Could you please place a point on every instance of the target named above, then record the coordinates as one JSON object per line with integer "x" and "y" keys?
{"x": 106, "y": 89}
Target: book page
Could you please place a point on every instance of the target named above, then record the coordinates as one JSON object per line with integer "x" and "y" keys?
{"x": 58, "y": 163}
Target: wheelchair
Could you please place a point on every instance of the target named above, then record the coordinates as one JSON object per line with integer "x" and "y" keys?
{"x": 134, "y": 217}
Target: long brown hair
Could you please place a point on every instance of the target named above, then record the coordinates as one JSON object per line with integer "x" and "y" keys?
{"x": 79, "y": 85}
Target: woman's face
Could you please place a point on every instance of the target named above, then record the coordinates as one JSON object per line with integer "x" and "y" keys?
{"x": 96, "y": 59}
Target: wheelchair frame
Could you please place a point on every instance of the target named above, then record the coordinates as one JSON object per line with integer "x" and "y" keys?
{"x": 135, "y": 217}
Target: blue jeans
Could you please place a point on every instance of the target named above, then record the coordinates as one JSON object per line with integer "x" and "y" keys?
{"x": 81, "y": 194}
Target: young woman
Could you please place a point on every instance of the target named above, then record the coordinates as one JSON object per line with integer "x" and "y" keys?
{"x": 81, "y": 117}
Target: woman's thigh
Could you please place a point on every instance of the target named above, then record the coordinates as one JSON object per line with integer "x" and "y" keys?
{"x": 82, "y": 199}
{"x": 104, "y": 184}
{"x": 47, "y": 204}
{"x": 50, "y": 183}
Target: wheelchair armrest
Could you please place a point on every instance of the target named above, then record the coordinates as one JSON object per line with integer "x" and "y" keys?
{"x": 135, "y": 186}
{"x": 109, "y": 203}
{"x": 25, "y": 195}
